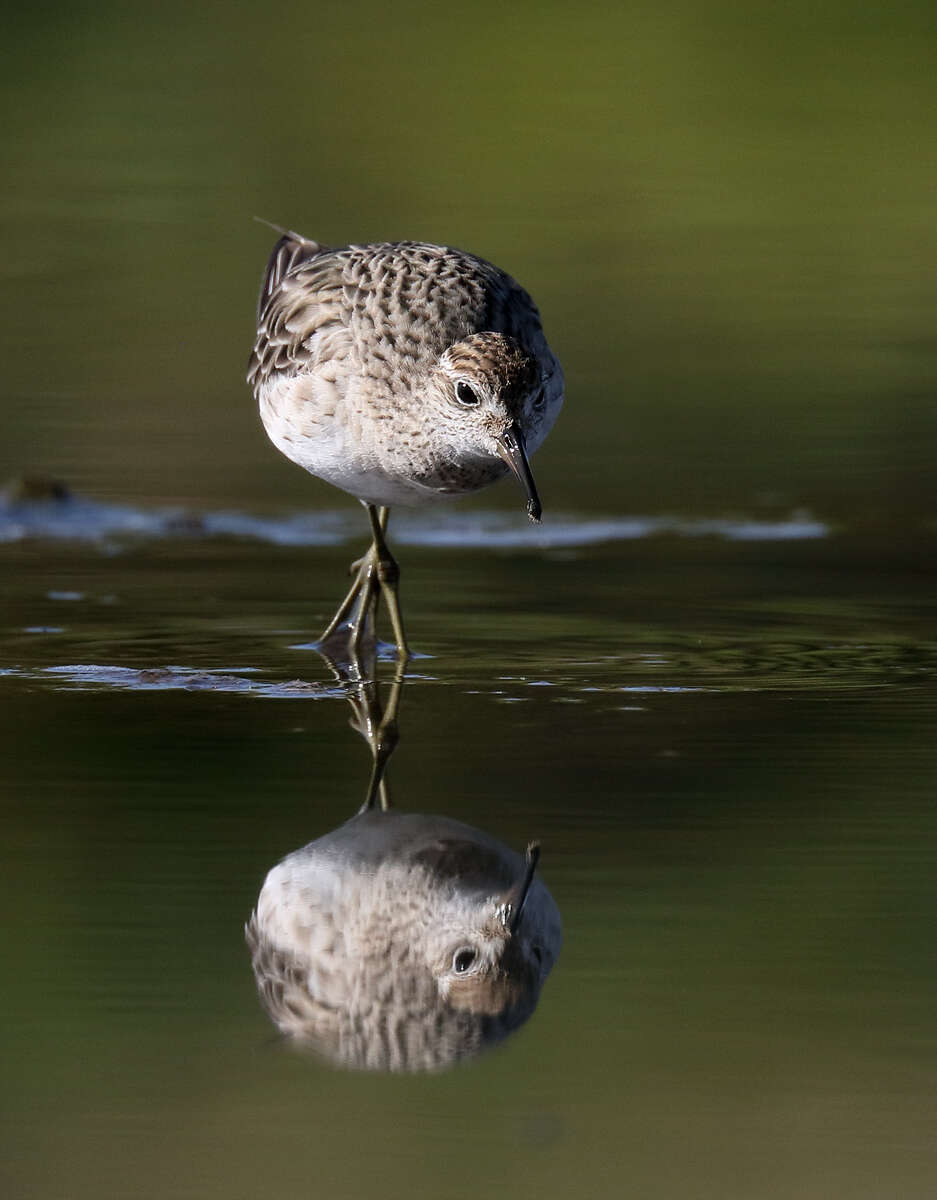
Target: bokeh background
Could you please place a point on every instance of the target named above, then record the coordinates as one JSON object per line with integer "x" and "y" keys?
{"x": 726, "y": 213}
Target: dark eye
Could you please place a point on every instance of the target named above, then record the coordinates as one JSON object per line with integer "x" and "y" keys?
{"x": 465, "y": 394}
{"x": 540, "y": 400}
{"x": 463, "y": 959}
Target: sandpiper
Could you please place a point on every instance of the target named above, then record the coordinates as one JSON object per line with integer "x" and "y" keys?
{"x": 403, "y": 942}
{"x": 401, "y": 372}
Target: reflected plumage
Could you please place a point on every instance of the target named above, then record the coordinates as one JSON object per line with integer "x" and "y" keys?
{"x": 402, "y": 942}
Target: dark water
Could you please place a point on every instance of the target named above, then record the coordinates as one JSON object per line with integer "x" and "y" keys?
{"x": 727, "y": 751}
{"x": 707, "y": 685}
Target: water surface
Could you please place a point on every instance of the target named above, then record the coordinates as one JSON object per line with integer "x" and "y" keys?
{"x": 725, "y": 748}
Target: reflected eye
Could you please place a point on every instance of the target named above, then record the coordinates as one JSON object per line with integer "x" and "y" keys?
{"x": 539, "y": 400}
{"x": 465, "y": 394}
{"x": 463, "y": 959}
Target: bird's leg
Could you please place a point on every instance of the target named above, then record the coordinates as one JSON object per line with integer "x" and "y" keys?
{"x": 362, "y": 583}
{"x": 359, "y": 599}
{"x": 388, "y": 575}
{"x": 359, "y": 562}
{"x": 365, "y": 608}
{"x": 377, "y": 572}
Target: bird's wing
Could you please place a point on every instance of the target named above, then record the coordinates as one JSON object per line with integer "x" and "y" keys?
{"x": 389, "y": 308}
{"x": 283, "y": 984}
{"x": 289, "y": 252}
{"x": 472, "y": 861}
{"x": 301, "y": 304}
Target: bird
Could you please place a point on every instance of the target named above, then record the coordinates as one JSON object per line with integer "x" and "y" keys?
{"x": 402, "y": 942}
{"x": 402, "y": 373}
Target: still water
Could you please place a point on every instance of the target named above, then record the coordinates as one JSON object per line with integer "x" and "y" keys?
{"x": 725, "y": 749}
{"x": 706, "y": 685}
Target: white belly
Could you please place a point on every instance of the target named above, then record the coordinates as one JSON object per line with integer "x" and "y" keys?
{"x": 316, "y": 438}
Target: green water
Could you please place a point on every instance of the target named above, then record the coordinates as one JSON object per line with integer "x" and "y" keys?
{"x": 727, "y": 748}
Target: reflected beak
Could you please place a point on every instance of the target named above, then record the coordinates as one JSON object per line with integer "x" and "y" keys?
{"x": 519, "y": 898}
{"x": 511, "y": 449}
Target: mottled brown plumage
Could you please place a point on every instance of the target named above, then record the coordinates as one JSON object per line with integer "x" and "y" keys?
{"x": 358, "y": 352}
{"x": 401, "y": 372}
{"x": 396, "y": 942}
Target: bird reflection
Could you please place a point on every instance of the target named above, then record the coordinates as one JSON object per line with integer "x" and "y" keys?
{"x": 401, "y": 941}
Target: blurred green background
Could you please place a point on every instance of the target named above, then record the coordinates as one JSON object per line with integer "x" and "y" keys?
{"x": 724, "y": 211}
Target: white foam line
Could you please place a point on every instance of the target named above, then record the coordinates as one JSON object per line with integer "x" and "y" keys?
{"x": 112, "y": 524}
{"x": 493, "y": 529}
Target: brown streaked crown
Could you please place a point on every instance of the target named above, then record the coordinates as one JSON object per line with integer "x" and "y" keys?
{"x": 498, "y": 362}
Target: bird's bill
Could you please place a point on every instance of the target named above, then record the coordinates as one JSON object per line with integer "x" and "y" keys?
{"x": 511, "y": 448}
{"x": 519, "y": 897}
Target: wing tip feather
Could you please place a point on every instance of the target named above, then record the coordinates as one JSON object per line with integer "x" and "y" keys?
{"x": 291, "y": 248}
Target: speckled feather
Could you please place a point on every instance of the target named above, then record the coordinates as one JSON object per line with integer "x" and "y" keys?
{"x": 353, "y": 936}
{"x": 395, "y": 306}
{"x": 355, "y": 350}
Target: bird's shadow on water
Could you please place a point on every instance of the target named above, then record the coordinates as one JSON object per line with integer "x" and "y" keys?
{"x": 399, "y": 941}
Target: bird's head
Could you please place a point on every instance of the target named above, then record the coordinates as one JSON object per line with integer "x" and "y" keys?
{"x": 498, "y": 402}
{"x": 491, "y": 954}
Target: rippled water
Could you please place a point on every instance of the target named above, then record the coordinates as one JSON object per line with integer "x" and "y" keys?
{"x": 726, "y": 749}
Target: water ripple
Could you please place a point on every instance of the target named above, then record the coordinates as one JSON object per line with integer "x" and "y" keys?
{"x": 183, "y": 678}
{"x": 73, "y": 518}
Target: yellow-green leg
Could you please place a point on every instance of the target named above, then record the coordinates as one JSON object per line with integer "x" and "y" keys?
{"x": 388, "y": 574}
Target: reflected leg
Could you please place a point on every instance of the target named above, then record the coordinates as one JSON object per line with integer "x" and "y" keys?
{"x": 376, "y": 722}
{"x": 383, "y": 741}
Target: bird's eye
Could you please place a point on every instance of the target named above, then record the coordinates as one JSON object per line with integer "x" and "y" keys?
{"x": 463, "y": 959}
{"x": 465, "y": 394}
{"x": 540, "y": 400}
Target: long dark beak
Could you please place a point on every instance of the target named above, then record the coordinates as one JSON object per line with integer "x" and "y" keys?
{"x": 511, "y": 449}
{"x": 517, "y": 906}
